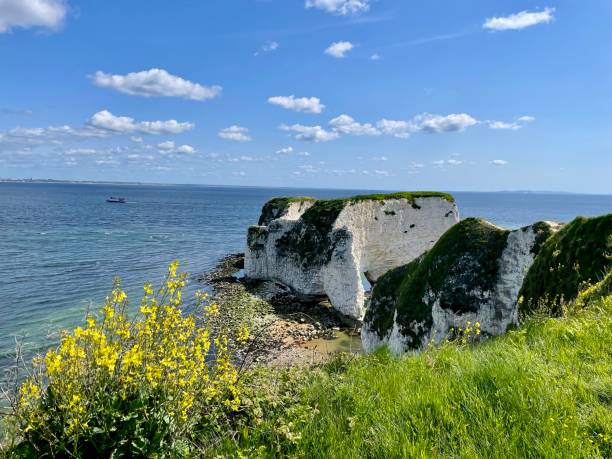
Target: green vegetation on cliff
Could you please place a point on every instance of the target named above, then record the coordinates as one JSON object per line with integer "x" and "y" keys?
{"x": 383, "y": 303}
{"x": 312, "y": 239}
{"x": 580, "y": 253}
{"x": 276, "y": 207}
{"x": 462, "y": 265}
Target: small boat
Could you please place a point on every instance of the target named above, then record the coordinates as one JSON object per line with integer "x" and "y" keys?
{"x": 116, "y": 200}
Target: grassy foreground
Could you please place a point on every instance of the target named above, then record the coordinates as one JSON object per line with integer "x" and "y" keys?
{"x": 542, "y": 391}
{"x": 122, "y": 387}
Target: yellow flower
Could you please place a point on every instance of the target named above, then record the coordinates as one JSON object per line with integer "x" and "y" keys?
{"x": 53, "y": 362}
{"x": 212, "y": 310}
{"x": 243, "y": 334}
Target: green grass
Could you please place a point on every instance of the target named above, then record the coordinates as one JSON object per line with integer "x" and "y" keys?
{"x": 275, "y": 207}
{"x": 542, "y": 391}
{"x": 580, "y": 253}
{"x": 409, "y": 195}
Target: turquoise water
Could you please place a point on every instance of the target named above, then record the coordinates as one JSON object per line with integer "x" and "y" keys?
{"x": 62, "y": 244}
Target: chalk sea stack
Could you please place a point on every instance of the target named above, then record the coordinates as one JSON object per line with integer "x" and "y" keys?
{"x": 324, "y": 247}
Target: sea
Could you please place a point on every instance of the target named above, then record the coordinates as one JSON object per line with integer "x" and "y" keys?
{"x": 62, "y": 244}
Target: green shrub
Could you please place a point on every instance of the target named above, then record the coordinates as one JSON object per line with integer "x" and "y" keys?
{"x": 579, "y": 254}
{"x": 128, "y": 387}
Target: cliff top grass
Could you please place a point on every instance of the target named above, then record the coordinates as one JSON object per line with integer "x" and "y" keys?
{"x": 281, "y": 203}
{"x": 579, "y": 254}
{"x": 276, "y": 207}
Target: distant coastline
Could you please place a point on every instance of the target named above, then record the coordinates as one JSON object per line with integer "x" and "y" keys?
{"x": 110, "y": 182}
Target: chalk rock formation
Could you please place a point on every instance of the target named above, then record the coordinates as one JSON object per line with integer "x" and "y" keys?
{"x": 324, "y": 247}
{"x": 472, "y": 274}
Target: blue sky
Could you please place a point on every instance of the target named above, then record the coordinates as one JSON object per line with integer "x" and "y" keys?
{"x": 387, "y": 94}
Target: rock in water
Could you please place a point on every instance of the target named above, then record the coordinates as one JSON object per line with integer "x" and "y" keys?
{"x": 325, "y": 247}
{"x": 473, "y": 273}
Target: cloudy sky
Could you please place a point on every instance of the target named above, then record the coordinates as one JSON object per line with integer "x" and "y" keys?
{"x": 377, "y": 94}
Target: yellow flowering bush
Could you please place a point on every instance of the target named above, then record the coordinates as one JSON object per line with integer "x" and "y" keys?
{"x": 122, "y": 385}
{"x": 470, "y": 333}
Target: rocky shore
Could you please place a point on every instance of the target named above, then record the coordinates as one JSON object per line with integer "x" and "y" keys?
{"x": 286, "y": 329}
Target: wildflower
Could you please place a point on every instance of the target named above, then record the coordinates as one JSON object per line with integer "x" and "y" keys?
{"x": 243, "y": 334}
{"x": 212, "y": 310}
{"x": 162, "y": 361}
{"x": 53, "y": 363}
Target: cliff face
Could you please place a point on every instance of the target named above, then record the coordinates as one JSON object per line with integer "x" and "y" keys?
{"x": 324, "y": 247}
{"x": 472, "y": 274}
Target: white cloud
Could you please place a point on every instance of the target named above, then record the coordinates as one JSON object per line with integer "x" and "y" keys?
{"x": 156, "y": 82}
{"x": 285, "y": 151}
{"x": 503, "y": 125}
{"x": 239, "y": 173}
{"x": 82, "y": 152}
{"x": 520, "y": 20}
{"x": 515, "y": 125}
{"x": 298, "y": 104}
{"x": 235, "y": 133}
{"x": 186, "y": 149}
{"x": 107, "y": 162}
{"x": 375, "y": 57}
{"x": 311, "y": 133}
{"x": 454, "y": 162}
{"x": 269, "y": 47}
{"x": 136, "y": 139}
{"x": 339, "y": 49}
{"x": 305, "y": 154}
{"x": 341, "y": 7}
{"x": 399, "y": 129}
{"x": 166, "y": 146}
{"x": 499, "y": 162}
{"x": 126, "y": 125}
{"x": 345, "y": 124}
{"x": 170, "y": 147}
{"x": 449, "y": 123}
{"x": 438, "y": 163}
{"x": 49, "y": 14}
{"x": 380, "y": 158}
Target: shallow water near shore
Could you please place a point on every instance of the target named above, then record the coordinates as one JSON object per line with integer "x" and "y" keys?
{"x": 343, "y": 341}
{"x": 62, "y": 244}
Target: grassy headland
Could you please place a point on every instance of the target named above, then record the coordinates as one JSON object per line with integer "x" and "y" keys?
{"x": 542, "y": 391}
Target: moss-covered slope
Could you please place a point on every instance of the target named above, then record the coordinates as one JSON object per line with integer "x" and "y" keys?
{"x": 578, "y": 254}
{"x": 459, "y": 272}
{"x": 277, "y": 207}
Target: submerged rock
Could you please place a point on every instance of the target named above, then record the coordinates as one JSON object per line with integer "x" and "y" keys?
{"x": 472, "y": 274}
{"x": 325, "y": 247}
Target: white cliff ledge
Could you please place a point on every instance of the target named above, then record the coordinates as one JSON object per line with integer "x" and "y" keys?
{"x": 324, "y": 247}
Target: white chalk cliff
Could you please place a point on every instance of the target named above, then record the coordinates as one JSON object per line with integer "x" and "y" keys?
{"x": 324, "y": 247}
{"x": 473, "y": 274}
